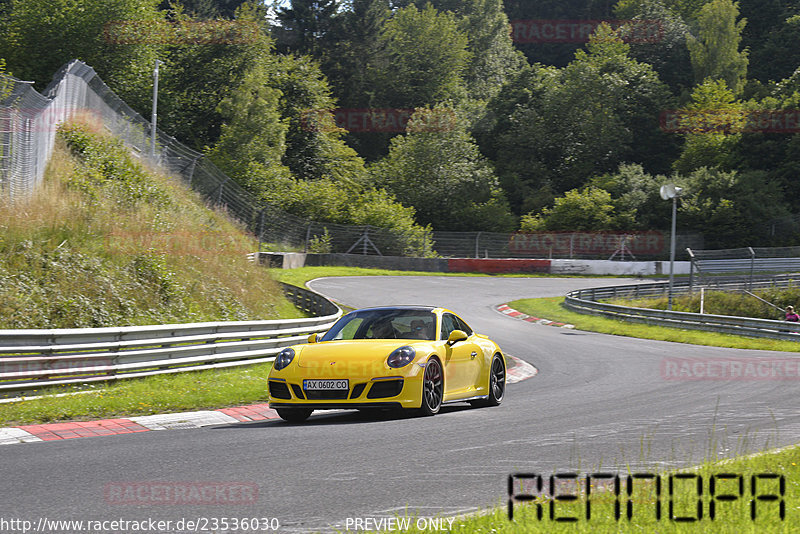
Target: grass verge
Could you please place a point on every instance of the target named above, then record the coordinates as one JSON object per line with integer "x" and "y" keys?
{"x": 180, "y": 392}
{"x": 107, "y": 242}
{"x": 552, "y": 308}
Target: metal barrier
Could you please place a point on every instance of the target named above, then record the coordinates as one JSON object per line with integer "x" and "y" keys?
{"x": 743, "y": 260}
{"x": 57, "y": 357}
{"x": 588, "y": 301}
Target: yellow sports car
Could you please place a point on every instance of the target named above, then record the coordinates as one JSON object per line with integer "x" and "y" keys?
{"x": 412, "y": 357}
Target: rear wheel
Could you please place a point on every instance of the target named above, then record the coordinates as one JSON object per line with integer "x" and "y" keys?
{"x": 432, "y": 388}
{"x": 294, "y": 415}
{"x": 497, "y": 383}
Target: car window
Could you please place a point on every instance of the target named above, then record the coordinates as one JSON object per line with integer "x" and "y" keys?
{"x": 462, "y": 325}
{"x": 388, "y": 323}
{"x": 349, "y": 329}
{"x": 448, "y": 324}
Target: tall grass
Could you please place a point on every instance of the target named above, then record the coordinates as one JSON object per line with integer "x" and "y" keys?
{"x": 727, "y": 302}
{"x": 106, "y": 242}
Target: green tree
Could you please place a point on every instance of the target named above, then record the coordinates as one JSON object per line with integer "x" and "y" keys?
{"x": 557, "y": 54}
{"x": 42, "y": 35}
{"x": 589, "y": 209}
{"x": 304, "y": 24}
{"x": 636, "y": 197}
{"x": 353, "y": 51}
{"x": 351, "y": 59}
{"x": 772, "y": 36}
{"x": 424, "y": 59}
{"x": 685, "y": 9}
{"x": 206, "y": 9}
{"x": 713, "y": 123}
{"x": 314, "y": 145}
{"x": 253, "y": 139}
{"x": 493, "y": 58}
{"x": 731, "y": 208}
{"x": 715, "y": 51}
{"x": 197, "y": 77}
{"x": 667, "y": 52}
{"x": 566, "y": 125}
{"x": 440, "y": 172}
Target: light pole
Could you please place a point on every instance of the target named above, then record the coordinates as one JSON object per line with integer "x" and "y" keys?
{"x": 154, "y": 117}
{"x": 671, "y": 191}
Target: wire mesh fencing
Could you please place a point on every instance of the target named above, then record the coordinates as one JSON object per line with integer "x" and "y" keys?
{"x": 25, "y": 137}
{"x": 29, "y": 120}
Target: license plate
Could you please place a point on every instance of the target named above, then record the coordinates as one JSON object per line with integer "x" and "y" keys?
{"x": 326, "y": 384}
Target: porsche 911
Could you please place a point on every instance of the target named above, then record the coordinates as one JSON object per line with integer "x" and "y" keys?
{"x": 400, "y": 357}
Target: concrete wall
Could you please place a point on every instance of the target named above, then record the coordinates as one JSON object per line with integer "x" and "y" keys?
{"x": 474, "y": 265}
{"x": 397, "y": 263}
{"x": 621, "y": 268}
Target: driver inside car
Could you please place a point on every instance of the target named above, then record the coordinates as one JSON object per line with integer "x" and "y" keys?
{"x": 419, "y": 330}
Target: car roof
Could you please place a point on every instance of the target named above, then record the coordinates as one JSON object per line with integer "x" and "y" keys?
{"x": 402, "y": 307}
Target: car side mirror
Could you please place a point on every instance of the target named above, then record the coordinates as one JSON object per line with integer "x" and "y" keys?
{"x": 456, "y": 336}
{"x": 313, "y": 338}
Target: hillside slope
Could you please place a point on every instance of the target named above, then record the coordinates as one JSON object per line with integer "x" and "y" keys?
{"x": 106, "y": 242}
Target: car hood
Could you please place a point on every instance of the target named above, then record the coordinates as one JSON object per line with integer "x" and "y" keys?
{"x": 361, "y": 351}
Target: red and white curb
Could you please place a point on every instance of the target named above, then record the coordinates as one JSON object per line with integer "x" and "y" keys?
{"x": 146, "y": 423}
{"x": 518, "y": 370}
{"x": 511, "y": 312}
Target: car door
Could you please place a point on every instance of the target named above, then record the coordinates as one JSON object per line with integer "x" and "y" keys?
{"x": 460, "y": 361}
{"x": 477, "y": 360}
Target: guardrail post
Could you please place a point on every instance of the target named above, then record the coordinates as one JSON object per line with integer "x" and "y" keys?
{"x": 752, "y": 267}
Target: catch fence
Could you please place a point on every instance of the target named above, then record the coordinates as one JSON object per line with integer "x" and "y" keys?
{"x": 28, "y": 124}
{"x": 29, "y": 120}
{"x": 744, "y": 261}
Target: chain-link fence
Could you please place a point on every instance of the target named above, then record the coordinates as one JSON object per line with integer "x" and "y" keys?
{"x": 25, "y": 139}
{"x": 622, "y": 246}
{"x": 28, "y": 123}
{"x": 743, "y": 261}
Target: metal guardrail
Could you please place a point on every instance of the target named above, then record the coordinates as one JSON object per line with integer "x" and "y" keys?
{"x": 51, "y": 357}
{"x": 588, "y": 301}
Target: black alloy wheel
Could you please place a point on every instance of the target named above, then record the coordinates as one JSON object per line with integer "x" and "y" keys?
{"x": 432, "y": 388}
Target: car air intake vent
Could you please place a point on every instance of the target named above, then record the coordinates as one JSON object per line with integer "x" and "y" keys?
{"x": 279, "y": 390}
{"x": 298, "y": 392}
{"x": 385, "y": 388}
{"x": 333, "y": 394}
{"x": 358, "y": 389}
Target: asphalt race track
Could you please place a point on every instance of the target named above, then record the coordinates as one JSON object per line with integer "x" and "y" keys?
{"x": 598, "y": 401}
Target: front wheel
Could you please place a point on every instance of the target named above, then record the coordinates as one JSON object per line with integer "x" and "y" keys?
{"x": 432, "y": 388}
{"x": 497, "y": 383}
{"x": 294, "y": 415}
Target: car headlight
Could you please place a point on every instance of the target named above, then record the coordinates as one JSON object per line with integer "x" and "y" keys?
{"x": 283, "y": 359}
{"x": 401, "y": 357}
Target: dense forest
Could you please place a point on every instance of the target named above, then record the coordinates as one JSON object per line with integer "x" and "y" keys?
{"x": 463, "y": 115}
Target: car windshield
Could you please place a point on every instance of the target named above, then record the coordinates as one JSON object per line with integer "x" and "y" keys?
{"x": 384, "y": 324}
